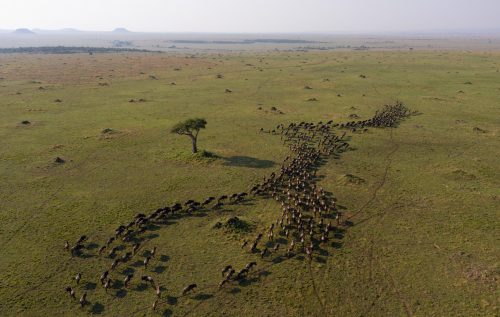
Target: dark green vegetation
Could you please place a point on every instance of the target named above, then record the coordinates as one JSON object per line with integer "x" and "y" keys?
{"x": 424, "y": 239}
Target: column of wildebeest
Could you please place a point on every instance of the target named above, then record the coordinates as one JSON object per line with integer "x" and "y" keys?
{"x": 309, "y": 215}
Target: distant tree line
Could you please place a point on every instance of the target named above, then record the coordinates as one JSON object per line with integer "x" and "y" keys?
{"x": 256, "y": 41}
{"x": 69, "y": 50}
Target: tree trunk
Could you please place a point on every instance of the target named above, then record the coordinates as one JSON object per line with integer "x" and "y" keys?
{"x": 193, "y": 143}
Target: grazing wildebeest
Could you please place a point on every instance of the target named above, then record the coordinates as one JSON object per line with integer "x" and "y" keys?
{"x": 107, "y": 284}
{"x": 229, "y": 274}
{"x": 188, "y": 288}
{"x": 146, "y": 261}
{"x": 148, "y": 278}
{"x": 241, "y": 274}
{"x": 208, "y": 201}
{"x": 254, "y": 246}
{"x": 71, "y": 292}
{"x": 126, "y": 257}
{"x": 226, "y": 269}
{"x": 135, "y": 247}
{"x": 114, "y": 264}
{"x": 250, "y": 265}
{"x": 83, "y": 300}
{"x": 81, "y": 239}
{"x": 112, "y": 252}
{"x": 155, "y": 304}
{"x": 127, "y": 279}
{"x": 218, "y": 205}
{"x": 110, "y": 240}
{"x": 101, "y": 249}
{"x": 103, "y": 277}
{"x": 75, "y": 250}
{"x": 78, "y": 277}
{"x": 158, "y": 291}
{"x": 224, "y": 281}
{"x": 275, "y": 249}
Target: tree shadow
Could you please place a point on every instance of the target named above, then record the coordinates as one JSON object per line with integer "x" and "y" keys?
{"x": 247, "y": 161}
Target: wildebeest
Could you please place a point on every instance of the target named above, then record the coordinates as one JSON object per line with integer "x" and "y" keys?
{"x": 83, "y": 300}
{"x": 78, "y": 277}
{"x": 103, "y": 277}
{"x": 71, "y": 292}
{"x": 188, "y": 289}
{"x": 127, "y": 279}
{"x": 226, "y": 269}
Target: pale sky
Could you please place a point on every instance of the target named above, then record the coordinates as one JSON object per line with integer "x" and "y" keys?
{"x": 252, "y": 16}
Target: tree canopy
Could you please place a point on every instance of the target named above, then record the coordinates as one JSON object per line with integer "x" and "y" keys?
{"x": 191, "y": 128}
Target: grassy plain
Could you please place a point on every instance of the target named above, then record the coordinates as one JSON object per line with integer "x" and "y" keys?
{"x": 425, "y": 239}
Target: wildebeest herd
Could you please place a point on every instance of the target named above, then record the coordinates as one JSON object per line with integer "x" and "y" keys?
{"x": 308, "y": 219}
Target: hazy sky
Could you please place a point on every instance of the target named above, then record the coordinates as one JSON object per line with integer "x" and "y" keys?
{"x": 252, "y": 15}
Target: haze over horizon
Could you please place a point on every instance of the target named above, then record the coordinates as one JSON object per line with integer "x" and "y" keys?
{"x": 259, "y": 16}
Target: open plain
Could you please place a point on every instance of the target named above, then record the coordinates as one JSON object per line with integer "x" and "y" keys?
{"x": 420, "y": 202}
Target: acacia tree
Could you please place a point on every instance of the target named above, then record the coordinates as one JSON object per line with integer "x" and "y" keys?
{"x": 191, "y": 128}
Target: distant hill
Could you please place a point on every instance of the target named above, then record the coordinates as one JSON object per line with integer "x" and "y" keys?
{"x": 121, "y": 30}
{"x": 23, "y": 31}
{"x": 60, "y": 31}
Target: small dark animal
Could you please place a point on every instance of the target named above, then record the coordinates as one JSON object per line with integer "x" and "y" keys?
{"x": 83, "y": 300}
{"x": 250, "y": 265}
{"x": 107, "y": 285}
{"x": 71, "y": 292}
{"x": 101, "y": 249}
{"x": 82, "y": 239}
{"x": 127, "y": 279}
{"x": 188, "y": 289}
{"x": 103, "y": 277}
{"x": 78, "y": 277}
{"x": 226, "y": 269}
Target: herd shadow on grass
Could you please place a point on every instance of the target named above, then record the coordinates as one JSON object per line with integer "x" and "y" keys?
{"x": 247, "y": 161}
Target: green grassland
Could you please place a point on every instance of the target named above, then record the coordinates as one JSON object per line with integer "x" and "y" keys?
{"x": 425, "y": 215}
